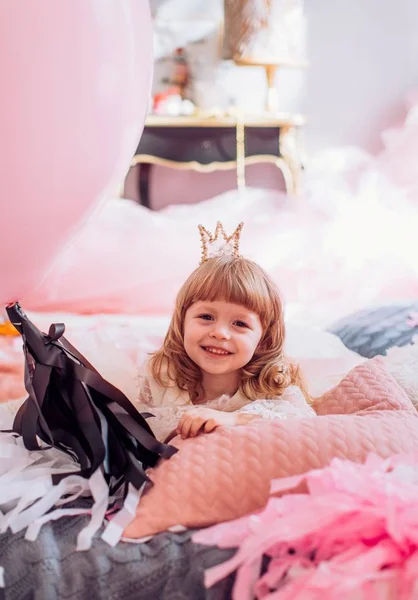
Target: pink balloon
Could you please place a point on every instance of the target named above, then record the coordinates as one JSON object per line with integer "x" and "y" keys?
{"x": 76, "y": 77}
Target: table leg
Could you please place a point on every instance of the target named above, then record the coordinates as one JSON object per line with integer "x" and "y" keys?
{"x": 144, "y": 181}
{"x": 290, "y": 154}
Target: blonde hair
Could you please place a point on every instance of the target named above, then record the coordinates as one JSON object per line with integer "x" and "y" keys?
{"x": 243, "y": 282}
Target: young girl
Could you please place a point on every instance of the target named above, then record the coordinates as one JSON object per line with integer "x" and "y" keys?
{"x": 222, "y": 360}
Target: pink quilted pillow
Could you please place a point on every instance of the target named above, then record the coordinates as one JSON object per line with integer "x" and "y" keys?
{"x": 226, "y": 474}
{"x": 367, "y": 387}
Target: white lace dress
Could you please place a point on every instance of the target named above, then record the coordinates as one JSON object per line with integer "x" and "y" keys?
{"x": 168, "y": 404}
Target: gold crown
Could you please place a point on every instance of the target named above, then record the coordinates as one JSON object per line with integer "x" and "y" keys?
{"x": 219, "y": 244}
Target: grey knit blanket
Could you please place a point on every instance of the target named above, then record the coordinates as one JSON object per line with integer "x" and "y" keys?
{"x": 168, "y": 567}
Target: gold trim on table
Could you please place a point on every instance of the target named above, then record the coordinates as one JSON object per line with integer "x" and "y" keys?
{"x": 279, "y": 120}
{"x": 279, "y": 162}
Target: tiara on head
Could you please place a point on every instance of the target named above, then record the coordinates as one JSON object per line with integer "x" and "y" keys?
{"x": 219, "y": 244}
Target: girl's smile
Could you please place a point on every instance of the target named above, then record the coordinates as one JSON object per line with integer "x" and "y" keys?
{"x": 215, "y": 351}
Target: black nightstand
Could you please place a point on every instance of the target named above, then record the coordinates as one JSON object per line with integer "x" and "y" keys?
{"x": 206, "y": 144}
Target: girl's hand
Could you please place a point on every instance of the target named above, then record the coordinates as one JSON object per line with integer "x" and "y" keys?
{"x": 201, "y": 419}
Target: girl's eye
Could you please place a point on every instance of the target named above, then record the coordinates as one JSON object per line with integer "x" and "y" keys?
{"x": 241, "y": 324}
{"x": 205, "y": 317}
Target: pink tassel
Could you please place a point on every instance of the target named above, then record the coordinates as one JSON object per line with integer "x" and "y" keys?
{"x": 355, "y": 533}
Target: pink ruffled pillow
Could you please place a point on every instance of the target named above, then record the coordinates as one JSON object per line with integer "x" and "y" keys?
{"x": 226, "y": 474}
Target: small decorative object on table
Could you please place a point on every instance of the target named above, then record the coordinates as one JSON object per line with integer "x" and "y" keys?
{"x": 266, "y": 33}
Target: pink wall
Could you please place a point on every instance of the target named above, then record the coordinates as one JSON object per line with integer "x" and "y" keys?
{"x": 363, "y": 57}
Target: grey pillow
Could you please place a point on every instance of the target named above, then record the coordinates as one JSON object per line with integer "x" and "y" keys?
{"x": 373, "y": 331}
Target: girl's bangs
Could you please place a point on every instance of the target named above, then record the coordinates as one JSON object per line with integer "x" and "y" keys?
{"x": 238, "y": 286}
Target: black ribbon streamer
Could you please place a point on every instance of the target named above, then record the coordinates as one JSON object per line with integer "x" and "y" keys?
{"x": 72, "y": 408}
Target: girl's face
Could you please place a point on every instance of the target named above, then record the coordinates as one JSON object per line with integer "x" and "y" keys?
{"x": 221, "y": 337}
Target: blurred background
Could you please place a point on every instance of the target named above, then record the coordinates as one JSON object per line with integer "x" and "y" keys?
{"x": 354, "y": 66}
{"x": 298, "y": 118}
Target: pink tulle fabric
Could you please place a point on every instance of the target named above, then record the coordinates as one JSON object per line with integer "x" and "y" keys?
{"x": 353, "y": 535}
{"x": 348, "y": 241}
